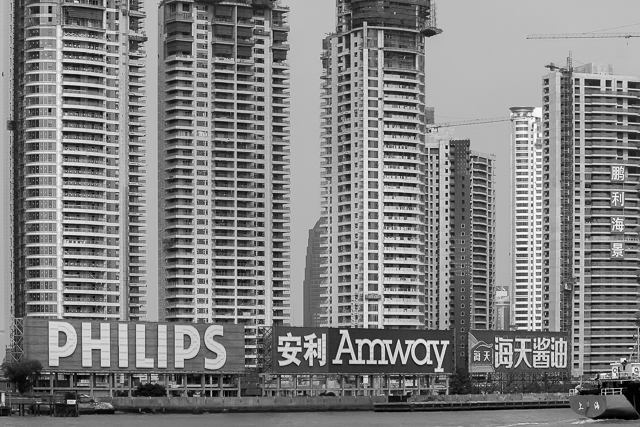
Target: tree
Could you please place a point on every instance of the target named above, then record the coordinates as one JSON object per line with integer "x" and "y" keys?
{"x": 151, "y": 390}
{"x": 23, "y": 373}
{"x": 460, "y": 382}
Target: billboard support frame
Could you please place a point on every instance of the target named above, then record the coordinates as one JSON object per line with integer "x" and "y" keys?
{"x": 15, "y": 349}
{"x": 353, "y": 384}
{"x": 265, "y": 349}
{"x": 106, "y": 384}
{"x": 520, "y": 382}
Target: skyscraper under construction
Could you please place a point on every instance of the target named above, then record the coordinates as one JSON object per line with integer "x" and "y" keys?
{"x": 77, "y": 152}
{"x": 373, "y": 172}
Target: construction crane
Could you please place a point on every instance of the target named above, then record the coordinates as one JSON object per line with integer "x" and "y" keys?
{"x": 467, "y": 122}
{"x": 582, "y": 36}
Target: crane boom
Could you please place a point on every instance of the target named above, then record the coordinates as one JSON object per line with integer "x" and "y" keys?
{"x": 468, "y": 122}
{"x": 582, "y": 36}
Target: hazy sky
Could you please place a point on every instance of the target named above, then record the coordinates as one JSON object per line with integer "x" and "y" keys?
{"x": 478, "y": 67}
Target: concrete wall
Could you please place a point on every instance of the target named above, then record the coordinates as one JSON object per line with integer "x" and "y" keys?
{"x": 300, "y": 403}
{"x": 243, "y": 404}
{"x": 490, "y": 397}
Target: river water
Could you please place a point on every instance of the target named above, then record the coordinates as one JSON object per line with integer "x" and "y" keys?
{"x": 508, "y": 418}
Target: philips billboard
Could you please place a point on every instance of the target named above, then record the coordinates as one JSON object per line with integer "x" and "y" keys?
{"x": 75, "y": 345}
{"x": 361, "y": 351}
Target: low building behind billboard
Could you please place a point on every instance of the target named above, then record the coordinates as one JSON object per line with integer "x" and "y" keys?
{"x": 361, "y": 351}
{"x": 77, "y": 346}
{"x": 518, "y": 351}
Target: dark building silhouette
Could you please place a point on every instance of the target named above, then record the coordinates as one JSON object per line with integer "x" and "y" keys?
{"x": 472, "y": 243}
{"x": 312, "y": 286}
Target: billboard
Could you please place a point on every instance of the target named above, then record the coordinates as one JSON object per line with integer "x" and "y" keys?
{"x": 361, "y": 351}
{"x": 518, "y": 351}
{"x": 76, "y": 345}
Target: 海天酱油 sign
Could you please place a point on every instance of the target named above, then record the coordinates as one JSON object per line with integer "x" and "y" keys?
{"x": 346, "y": 350}
{"x": 75, "y": 345}
{"x": 518, "y": 351}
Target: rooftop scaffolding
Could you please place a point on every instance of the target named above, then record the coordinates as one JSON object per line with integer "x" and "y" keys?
{"x": 409, "y": 14}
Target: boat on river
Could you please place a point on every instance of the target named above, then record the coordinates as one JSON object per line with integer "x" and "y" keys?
{"x": 614, "y": 394}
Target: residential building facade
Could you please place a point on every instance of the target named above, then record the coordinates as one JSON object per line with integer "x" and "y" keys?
{"x": 591, "y": 148}
{"x": 437, "y": 228}
{"x": 77, "y": 159}
{"x": 5, "y": 179}
{"x": 503, "y": 309}
{"x": 224, "y": 206}
{"x": 526, "y": 217}
{"x": 483, "y": 241}
{"x": 373, "y": 173}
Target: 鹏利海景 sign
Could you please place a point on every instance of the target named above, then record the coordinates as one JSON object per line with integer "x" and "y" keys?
{"x": 518, "y": 351}
{"x": 75, "y": 345}
{"x": 334, "y": 350}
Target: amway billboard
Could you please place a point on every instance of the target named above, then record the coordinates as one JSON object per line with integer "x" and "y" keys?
{"x": 332, "y": 350}
{"x": 518, "y": 351}
{"x": 74, "y": 345}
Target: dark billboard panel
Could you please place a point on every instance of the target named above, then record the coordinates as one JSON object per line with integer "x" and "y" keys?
{"x": 75, "y": 345}
{"x": 361, "y": 351}
{"x": 518, "y": 351}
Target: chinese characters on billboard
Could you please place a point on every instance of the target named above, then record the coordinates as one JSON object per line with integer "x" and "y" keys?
{"x": 518, "y": 351}
{"x": 332, "y": 350}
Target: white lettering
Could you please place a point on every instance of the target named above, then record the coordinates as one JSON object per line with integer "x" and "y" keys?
{"x": 123, "y": 345}
{"x": 162, "y": 346}
{"x": 214, "y": 346}
{"x": 371, "y": 344}
{"x": 393, "y": 356}
{"x": 74, "y": 343}
{"x": 66, "y": 350}
{"x": 182, "y": 353}
{"x": 440, "y": 354}
{"x": 341, "y": 350}
{"x": 103, "y": 344}
{"x": 142, "y": 361}
{"x": 427, "y": 357}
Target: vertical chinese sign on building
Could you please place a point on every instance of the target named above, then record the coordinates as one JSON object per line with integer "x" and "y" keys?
{"x": 518, "y": 351}
{"x": 617, "y": 201}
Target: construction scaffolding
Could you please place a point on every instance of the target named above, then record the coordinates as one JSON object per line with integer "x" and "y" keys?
{"x": 566, "y": 195}
{"x": 15, "y": 349}
{"x": 408, "y": 14}
{"x": 264, "y": 360}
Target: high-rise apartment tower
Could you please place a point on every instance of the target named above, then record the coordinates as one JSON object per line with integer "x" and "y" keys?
{"x": 437, "y": 228}
{"x": 471, "y": 206}
{"x": 224, "y": 163}
{"x": 373, "y": 172}
{"x": 599, "y": 164}
{"x": 77, "y": 150}
{"x": 526, "y": 218}
{"x": 481, "y": 305}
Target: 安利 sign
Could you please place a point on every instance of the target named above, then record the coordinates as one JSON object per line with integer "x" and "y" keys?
{"x": 334, "y": 350}
{"x": 518, "y": 351}
{"x": 75, "y": 345}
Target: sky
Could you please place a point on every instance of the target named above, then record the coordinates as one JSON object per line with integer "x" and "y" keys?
{"x": 479, "y": 66}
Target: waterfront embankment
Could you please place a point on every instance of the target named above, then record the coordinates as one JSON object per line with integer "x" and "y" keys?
{"x": 331, "y": 403}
